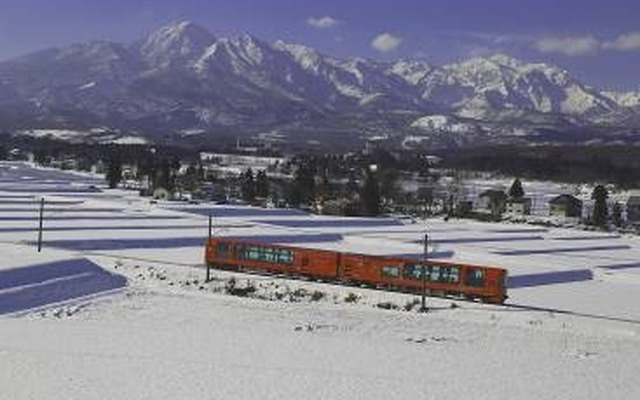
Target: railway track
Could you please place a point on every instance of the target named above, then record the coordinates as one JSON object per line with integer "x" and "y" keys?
{"x": 507, "y": 305}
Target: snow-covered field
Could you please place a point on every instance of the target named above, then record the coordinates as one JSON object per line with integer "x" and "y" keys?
{"x": 115, "y": 307}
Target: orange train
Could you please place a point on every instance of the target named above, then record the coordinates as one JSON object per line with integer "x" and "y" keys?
{"x": 487, "y": 284}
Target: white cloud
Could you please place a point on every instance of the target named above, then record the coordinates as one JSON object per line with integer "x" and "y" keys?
{"x": 386, "y": 42}
{"x": 325, "y": 22}
{"x": 568, "y": 45}
{"x": 626, "y": 42}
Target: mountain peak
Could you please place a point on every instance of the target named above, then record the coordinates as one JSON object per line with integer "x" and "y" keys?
{"x": 412, "y": 71}
{"x": 246, "y": 41}
{"x": 490, "y": 62}
{"x": 306, "y": 56}
{"x": 176, "y": 43}
{"x": 506, "y": 60}
{"x": 294, "y": 48}
{"x": 182, "y": 29}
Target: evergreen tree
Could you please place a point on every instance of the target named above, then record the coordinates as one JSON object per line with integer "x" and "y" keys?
{"x": 497, "y": 201}
{"x": 114, "y": 173}
{"x": 163, "y": 176}
{"x": 147, "y": 168}
{"x": 388, "y": 184}
{"x": 304, "y": 184}
{"x": 370, "y": 196}
{"x": 600, "y": 212}
{"x": 40, "y": 156}
{"x": 201, "y": 172}
{"x": 323, "y": 187}
{"x": 248, "y": 185}
{"x": 617, "y": 214}
{"x": 516, "y": 191}
{"x": 191, "y": 179}
{"x": 352, "y": 182}
{"x": 262, "y": 184}
{"x": 174, "y": 171}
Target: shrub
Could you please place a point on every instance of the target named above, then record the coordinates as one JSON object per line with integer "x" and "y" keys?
{"x": 317, "y": 295}
{"x": 411, "y": 304}
{"x": 387, "y": 305}
{"x": 297, "y": 295}
{"x": 351, "y": 298}
{"x": 232, "y": 288}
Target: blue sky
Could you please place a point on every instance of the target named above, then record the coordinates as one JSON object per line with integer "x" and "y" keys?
{"x": 598, "y": 41}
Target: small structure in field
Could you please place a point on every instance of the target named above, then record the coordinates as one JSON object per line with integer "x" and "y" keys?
{"x": 565, "y": 205}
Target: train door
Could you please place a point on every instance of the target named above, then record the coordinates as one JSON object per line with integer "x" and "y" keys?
{"x": 304, "y": 264}
{"x": 351, "y": 266}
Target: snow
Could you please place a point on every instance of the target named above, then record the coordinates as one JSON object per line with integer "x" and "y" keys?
{"x": 129, "y": 140}
{"x": 411, "y": 71}
{"x": 624, "y": 99}
{"x": 100, "y": 135}
{"x": 166, "y": 334}
{"x": 307, "y": 57}
{"x": 502, "y": 82}
{"x": 441, "y": 123}
{"x": 192, "y": 132}
{"x": 62, "y": 134}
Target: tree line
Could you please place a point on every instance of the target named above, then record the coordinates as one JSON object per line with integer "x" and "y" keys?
{"x": 619, "y": 164}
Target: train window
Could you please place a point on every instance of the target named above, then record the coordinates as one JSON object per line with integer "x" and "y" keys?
{"x": 268, "y": 254}
{"x": 285, "y": 256}
{"x": 435, "y": 274}
{"x": 475, "y": 277}
{"x": 390, "y": 271}
{"x": 253, "y": 253}
{"x": 414, "y": 271}
{"x": 223, "y": 249}
{"x": 450, "y": 274}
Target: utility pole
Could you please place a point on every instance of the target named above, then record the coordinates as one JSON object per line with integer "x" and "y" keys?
{"x": 208, "y": 278}
{"x": 40, "y": 224}
{"x": 423, "y": 306}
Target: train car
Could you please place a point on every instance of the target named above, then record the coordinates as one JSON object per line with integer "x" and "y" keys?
{"x": 234, "y": 254}
{"x": 441, "y": 278}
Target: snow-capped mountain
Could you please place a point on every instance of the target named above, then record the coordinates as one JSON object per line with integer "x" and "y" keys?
{"x": 624, "y": 99}
{"x": 176, "y": 45}
{"x": 183, "y": 77}
{"x": 502, "y": 83}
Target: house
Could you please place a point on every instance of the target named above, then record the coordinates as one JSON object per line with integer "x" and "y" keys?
{"x": 241, "y": 160}
{"x": 492, "y": 200}
{"x": 633, "y": 209}
{"x": 463, "y": 208}
{"x": 211, "y": 192}
{"x": 519, "y": 206}
{"x": 565, "y": 205}
{"x": 129, "y": 171}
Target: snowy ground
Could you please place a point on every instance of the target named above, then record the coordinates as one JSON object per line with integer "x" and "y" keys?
{"x": 115, "y": 307}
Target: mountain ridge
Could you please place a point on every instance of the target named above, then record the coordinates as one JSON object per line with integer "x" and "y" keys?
{"x": 182, "y": 77}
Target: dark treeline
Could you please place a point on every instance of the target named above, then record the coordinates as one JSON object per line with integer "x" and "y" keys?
{"x": 89, "y": 153}
{"x": 618, "y": 164}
